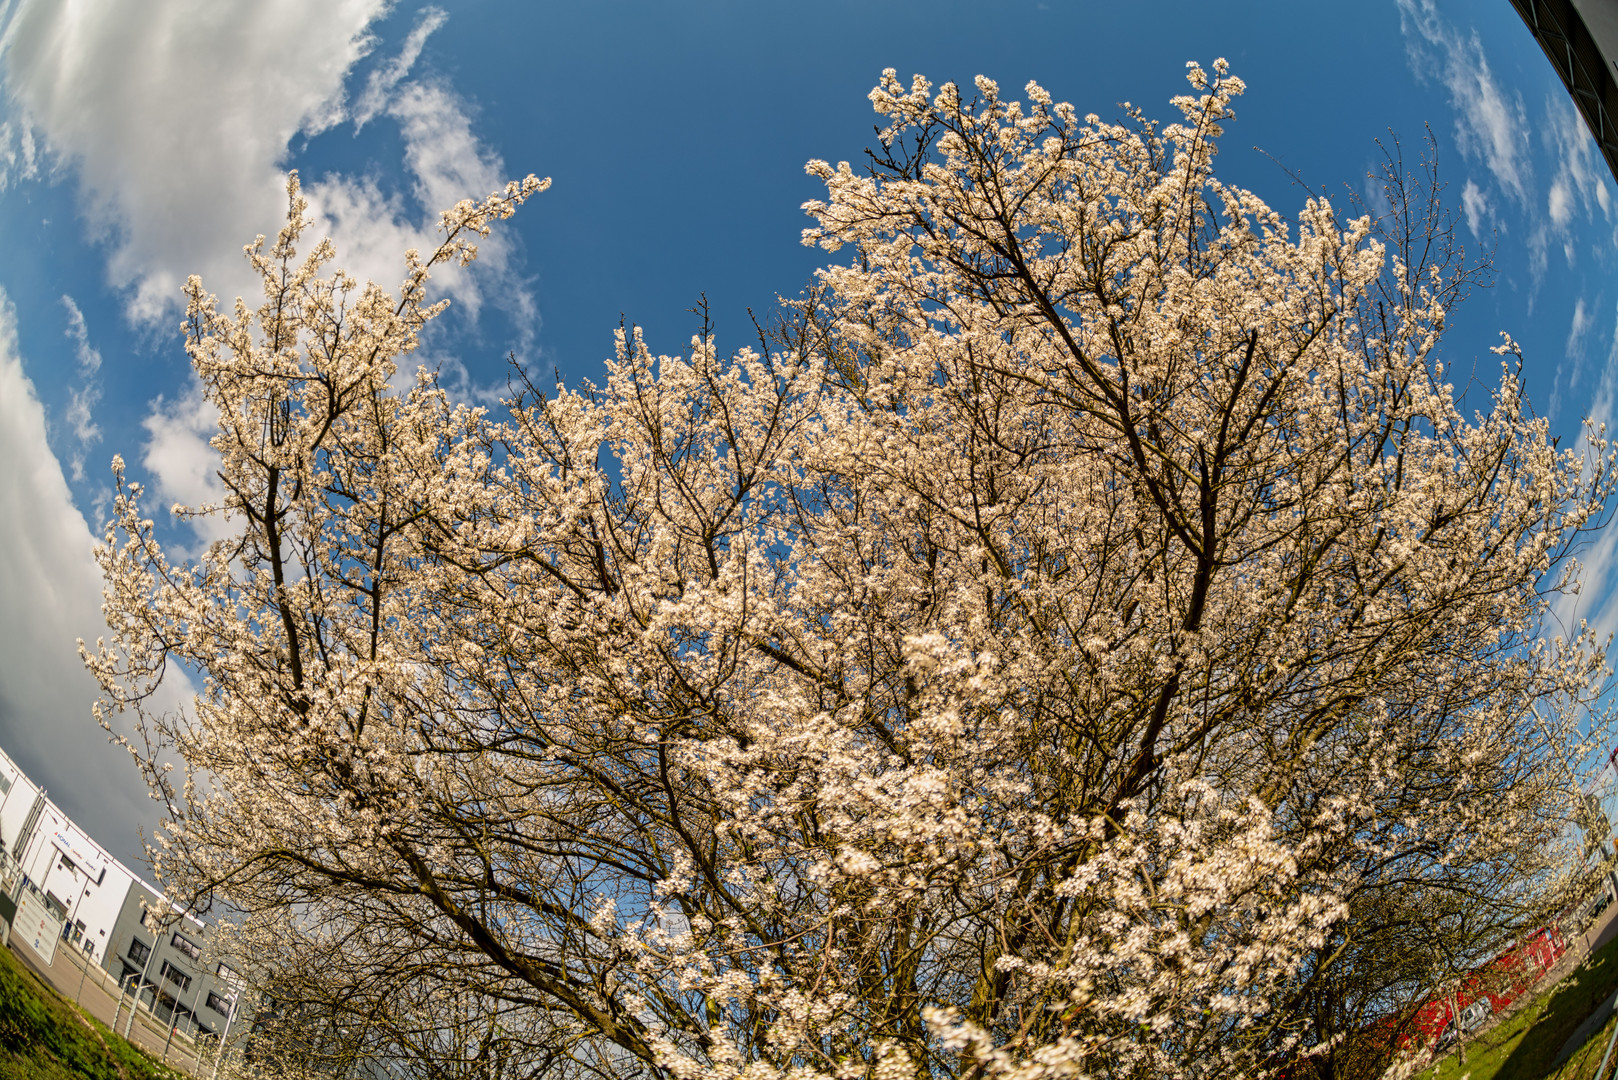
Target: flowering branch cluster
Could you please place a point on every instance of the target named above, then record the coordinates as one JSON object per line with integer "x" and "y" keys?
{"x": 1050, "y": 652}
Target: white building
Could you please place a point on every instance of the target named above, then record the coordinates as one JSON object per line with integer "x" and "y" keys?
{"x": 58, "y": 886}
{"x": 78, "y": 879}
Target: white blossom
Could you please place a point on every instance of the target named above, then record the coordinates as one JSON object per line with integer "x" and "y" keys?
{"x": 1086, "y": 624}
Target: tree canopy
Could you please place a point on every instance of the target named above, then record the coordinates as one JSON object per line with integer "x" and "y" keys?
{"x": 1084, "y": 635}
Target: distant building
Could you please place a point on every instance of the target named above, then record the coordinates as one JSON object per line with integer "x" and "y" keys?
{"x": 1581, "y": 39}
{"x": 88, "y": 900}
{"x": 180, "y": 980}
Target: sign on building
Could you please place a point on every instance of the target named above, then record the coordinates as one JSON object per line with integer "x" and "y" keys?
{"x": 84, "y": 858}
{"x": 37, "y": 925}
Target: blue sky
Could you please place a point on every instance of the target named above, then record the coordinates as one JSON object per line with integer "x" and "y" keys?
{"x": 143, "y": 142}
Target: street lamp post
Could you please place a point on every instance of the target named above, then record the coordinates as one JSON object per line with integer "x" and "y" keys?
{"x": 174, "y": 1018}
{"x": 84, "y": 969}
{"x": 118, "y": 1006}
{"x": 229, "y": 1016}
{"x": 144, "y": 971}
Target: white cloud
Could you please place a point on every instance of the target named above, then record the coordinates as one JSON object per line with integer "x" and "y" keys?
{"x": 1571, "y": 373}
{"x": 448, "y": 163}
{"x": 183, "y": 465}
{"x": 1492, "y": 128}
{"x": 1559, "y": 203}
{"x": 379, "y": 85}
{"x": 174, "y": 428}
{"x": 18, "y": 154}
{"x": 176, "y": 117}
{"x": 1597, "y": 590}
{"x": 1582, "y": 319}
{"x": 80, "y": 407}
{"x": 82, "y": 398}
{"x": 50, "y": 591}
{"x": 1490, "y": 125}
{"x": 181, "y": 462}
{"x": 1582, "y": 177}
{"x": 1597, "y": 599}
{"x": 445, "y": 162}
{"x": 1475, "y": 208}
{"x": 1579, "y": 190}
{"x": 88, "y": 356}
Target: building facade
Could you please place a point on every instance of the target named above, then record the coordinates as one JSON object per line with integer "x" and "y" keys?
{"x": 78, "y": 882}
{"x": 166, "y": 953}
{"x": 61, "y": 881}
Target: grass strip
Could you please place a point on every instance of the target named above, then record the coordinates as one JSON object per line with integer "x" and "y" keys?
{"x": 43, "y": 1037}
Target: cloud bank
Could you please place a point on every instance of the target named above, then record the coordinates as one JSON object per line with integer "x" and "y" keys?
{"x": 175, "y": 118}
{"x": 50, "y": 590}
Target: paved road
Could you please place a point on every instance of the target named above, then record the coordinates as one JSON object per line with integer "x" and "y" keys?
{"x": 97, "y": 993}
{"x": 1605, "y": 928}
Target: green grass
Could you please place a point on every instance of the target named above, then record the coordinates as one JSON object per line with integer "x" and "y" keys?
{"x": 1584, "y": 1063}
{"x": 43, "y": 1037}
{"x": 1523, "y": 1045}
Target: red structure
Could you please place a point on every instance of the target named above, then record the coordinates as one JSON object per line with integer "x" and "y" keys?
{"x": 1486, "y": 990}
{"x": 1481, "y": 993}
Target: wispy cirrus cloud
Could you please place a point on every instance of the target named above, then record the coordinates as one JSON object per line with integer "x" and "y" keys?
{"x": 19, "y": 155}
{"x": 1566, "y": 210}
{"x": 1583, "y": 319}
{"x": 379, "y": 85}
{"x": 1491, "y": 124}
{"x": 1577, "y": 350}
{"x": 1595, "y": 599}
{"x": 83, "y": 397}
{"x": 444, "y": 162}
{"x": 1493, "y": 129}
{"x": 1578, "y": 190}
{"x": 1476, "y": 210}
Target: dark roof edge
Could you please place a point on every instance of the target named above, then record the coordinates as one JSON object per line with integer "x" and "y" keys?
{"x": 1585, "y": 71}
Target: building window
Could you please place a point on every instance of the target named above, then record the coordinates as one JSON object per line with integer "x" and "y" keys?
{"x": 139, "y": 950}
{"x": 187, "y": 946}
{"x": 218, "y": 1004}
{"x": 5, "y": 784}
{"x": 175, "y": 975}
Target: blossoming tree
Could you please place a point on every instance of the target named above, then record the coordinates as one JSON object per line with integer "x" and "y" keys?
{"x": 1082, "y": 613}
